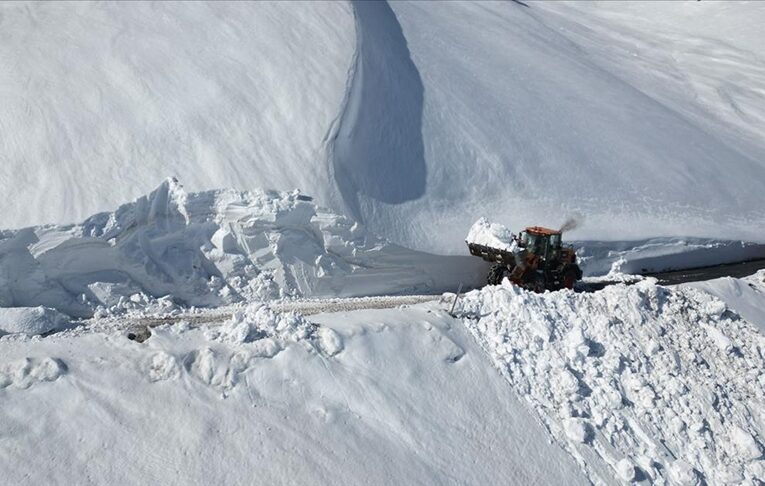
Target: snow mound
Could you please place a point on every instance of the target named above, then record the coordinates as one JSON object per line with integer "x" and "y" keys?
{"x": 209, "y": 249}
{"x": 639, "y": 381}
{"x": 31, "y": 320}
{"x": 744, "y": 295}
{"x": 493, "y": 235}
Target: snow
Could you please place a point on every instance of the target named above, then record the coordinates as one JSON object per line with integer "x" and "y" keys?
{"x": 412, "y": 118}
{"x": 640, "y": 375}
{"x": 171, "y": 248}
{"x": 31, "y": 320}
{"x": 746, "y": 296}
{"x": 493, "y": 235}
{"x": 102, "y": 102}
{"x": 409, "y": 399}
{"x": 285, "y": 342}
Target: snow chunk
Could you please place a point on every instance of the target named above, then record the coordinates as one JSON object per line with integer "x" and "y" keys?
{"x": 31, "y": 320}
{"x": 578, "y": 430}
{"x": 625, "y": 470}
{"x": 493, "y": 235}
{"x": 745, "y": 443}
{"x": 330, "y": 341}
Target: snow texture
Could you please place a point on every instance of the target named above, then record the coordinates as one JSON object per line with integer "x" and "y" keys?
{"x": 31, "y": 320}
{"x": 493, "y": 235}
{"x": 172, "y": 248}
{"x": 668, "y": 382}
{"x": 414, "y": 118}
{"x": 407, "y": 400}
{"x": 746, "y": 296}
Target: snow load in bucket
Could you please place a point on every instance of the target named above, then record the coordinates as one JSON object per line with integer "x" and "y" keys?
{"x": 493, "y": 235}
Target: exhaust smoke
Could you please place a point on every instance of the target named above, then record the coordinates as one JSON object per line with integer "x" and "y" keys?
{"x": 571, "y": 223}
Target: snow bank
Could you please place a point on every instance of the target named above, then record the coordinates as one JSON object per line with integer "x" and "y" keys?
{"x": 661, "y": 254}
{"x": 173, "y": 248}
{"x": 744, "y": 295}
{"x": 31, "y": 320}
{"x": 640, "y": 381}
{"x": 493, "y": 235}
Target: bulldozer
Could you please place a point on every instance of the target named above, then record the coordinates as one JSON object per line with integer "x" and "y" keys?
{"x": 538, "y": 261}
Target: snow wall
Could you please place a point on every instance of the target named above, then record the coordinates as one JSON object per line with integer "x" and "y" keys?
{"x": 413, "y": 118}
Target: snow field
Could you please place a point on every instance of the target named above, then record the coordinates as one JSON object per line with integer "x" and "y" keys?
{"x": 376, "y": 397}
{"x": 661, "y": 385}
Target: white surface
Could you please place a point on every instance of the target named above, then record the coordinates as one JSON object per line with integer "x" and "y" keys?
{"x": 102, "y": 102}
{"x": 493, "y": 235}
{"x": 212, "y": 248}
{"x": 663, "y": 378}
{"x": 31, "y": 320}
{"x": 746, "y": 296}
{"x": 410, "y": 399}
{"x": 644, "y": 120}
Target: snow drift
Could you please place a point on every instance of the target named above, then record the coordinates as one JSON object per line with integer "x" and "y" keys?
{"x": 639, "y": 383}
{"x": 208, "y": 249}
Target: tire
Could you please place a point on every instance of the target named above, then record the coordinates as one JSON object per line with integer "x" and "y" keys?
{"x": 570, "y": 275}
{"x": 497, "y": 272}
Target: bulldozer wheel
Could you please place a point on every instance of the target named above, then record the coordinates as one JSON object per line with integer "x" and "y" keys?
{"x": 569, "y": 278}
{"x": 496, "y": 273}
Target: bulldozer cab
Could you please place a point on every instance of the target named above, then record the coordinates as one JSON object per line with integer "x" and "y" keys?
{"x": 542, "y": 242}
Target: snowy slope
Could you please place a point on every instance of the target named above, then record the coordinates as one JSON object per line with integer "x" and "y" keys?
{"x": 373, "y": 397}
{"x": 416, "y": 118}
{"x": 744, "y": 295}
{"x": 103, "y": 101}
{"x": 529, "y": 121}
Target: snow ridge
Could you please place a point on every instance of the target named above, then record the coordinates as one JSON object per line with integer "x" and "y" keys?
{"x": 209, "y": 249}
{"x": 639, "y": 383}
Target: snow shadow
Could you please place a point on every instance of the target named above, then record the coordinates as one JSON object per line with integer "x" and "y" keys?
{"x": 378, "y": 151}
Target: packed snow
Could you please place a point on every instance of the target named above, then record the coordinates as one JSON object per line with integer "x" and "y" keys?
{"x": 171, "y": 248}
{"x": 396, "y": 396}
{"x": 31, "y": 320}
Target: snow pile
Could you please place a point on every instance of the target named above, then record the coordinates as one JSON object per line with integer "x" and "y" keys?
{"x": 106, "y": 100}
{"x": 208, "y": 249}
{"x": 31, "y": 320}
{"x": 744, "y": 295}
{"x": 641, "y": 382}
{"x": 661, "y": 254}
{"x": 272, "y": 331}
{"x": 493, "y": 235}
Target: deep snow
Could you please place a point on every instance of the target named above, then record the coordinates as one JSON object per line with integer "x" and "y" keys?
{"x": 409, "y": 121}
{"x": 402, "y": 396}
{"x": 416, "y": 117}
{"x": 645, "y": 383}
{"x": 173, "y": 248}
